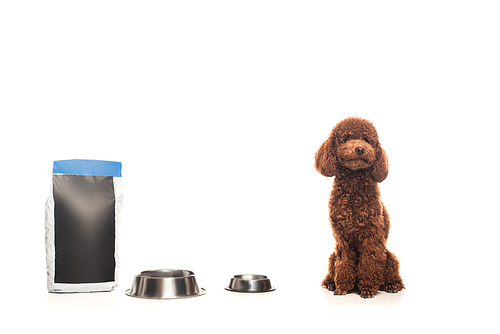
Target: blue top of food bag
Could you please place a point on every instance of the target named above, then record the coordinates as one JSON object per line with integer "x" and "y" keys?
{"x": 88, "y": 167}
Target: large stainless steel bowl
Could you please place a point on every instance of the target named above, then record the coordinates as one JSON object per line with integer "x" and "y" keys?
{"x": 165, "y": 284}
{"x": 250, "y": 283}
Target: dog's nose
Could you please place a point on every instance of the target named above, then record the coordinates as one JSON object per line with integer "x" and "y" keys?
{"x": 360, "y": 151}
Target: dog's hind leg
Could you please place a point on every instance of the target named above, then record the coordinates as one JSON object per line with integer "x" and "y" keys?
{"x": 392, "y": 280}
{"x": 329, "y": 281}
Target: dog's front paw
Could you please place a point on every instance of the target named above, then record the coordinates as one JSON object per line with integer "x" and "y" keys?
{"x": 339, "y": 292}
{"x": 367, "y": 294}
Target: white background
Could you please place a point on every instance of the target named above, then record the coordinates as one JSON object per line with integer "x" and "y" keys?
{"x": 216, "y": 109}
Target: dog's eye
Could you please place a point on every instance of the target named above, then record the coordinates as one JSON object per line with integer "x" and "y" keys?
{"x": 366, "y": 140}
{"x": 345, "y": 140}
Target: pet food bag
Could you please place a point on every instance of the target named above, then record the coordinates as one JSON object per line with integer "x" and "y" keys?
{"x": 82, "y": 215}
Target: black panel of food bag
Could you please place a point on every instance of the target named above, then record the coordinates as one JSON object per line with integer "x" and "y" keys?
{"x": 84, "y": 217}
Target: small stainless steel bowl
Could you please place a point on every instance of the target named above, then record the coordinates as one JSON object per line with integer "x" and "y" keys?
{"x": 250, "y": 283}
{"x": 165, "y": 284}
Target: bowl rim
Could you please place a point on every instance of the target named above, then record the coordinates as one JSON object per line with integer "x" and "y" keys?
{"x": 143, "y": 274}
{"x": 241, "y": 277}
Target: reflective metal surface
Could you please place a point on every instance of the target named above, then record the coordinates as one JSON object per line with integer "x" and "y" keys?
{"x": 250, "y": 283}
{"x": 165, "y": 284}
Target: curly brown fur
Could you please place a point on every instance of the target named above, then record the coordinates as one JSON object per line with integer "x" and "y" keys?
{"x": 360, "y": 222}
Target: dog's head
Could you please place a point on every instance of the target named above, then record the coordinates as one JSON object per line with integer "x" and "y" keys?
{"x": 353, "y": 145}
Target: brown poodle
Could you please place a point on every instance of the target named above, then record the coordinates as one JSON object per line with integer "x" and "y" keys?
{"x": 359, "y": 220}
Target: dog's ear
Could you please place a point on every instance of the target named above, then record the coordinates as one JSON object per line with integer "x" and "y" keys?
{"x": 381, "y": 166}
{"x": 325, "y": 160}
